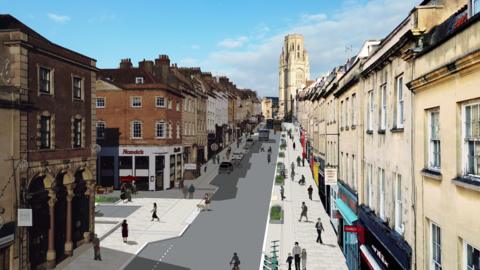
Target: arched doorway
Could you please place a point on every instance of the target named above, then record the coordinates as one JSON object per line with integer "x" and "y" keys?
{"x": 80, "y": 209}
{"x": 38, "y": 233}
{"x": 60, "y": 216}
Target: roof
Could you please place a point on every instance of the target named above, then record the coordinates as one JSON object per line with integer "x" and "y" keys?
{"x": 125, "y": 75}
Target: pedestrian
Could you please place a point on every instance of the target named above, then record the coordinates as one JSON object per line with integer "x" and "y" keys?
{"x": 289, "y": 261}
{"x": 268, "y": 158}
{"x": 310, "y": 191}
{"x": 123, "y": 193}
{"x": 185, "y": 191}
{"x": 302, "y": 180}
{"x": 235, "y": 261}
{"x": 304, "y": 212}
{"x": 282, "y": 192}
{"x": 293, "y": 145}
{"x": 296, "y": 251}
{"x": 304, "y": 259}
{"x": 191, "y": 190}
{"x": 124, "y": 230}
{"x": 128, "y": 193}
{"x": 319, "y": 227}
{"x": 218, "y": 159}
{"x": 292, "y": 175}
{"x": 96, "y": 248}
{"x": 303, "y": 160}
{"x": 154, "y": 212}
{"x": 293, "y": 166}
{"x": 205, "y": 168}
{"x": 207, "y": 201}
{"x": 298, "y": 161}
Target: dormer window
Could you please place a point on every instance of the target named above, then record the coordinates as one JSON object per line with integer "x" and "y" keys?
{"x": 138, "y": 80}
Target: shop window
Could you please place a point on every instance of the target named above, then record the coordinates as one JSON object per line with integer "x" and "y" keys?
{"x": 434, "y": 140}
{"x": 472, "y": 258}
{"x": 179, "y": 166}
{"x": 471, "y": 139}
{"x": 172, "y": 167}
{"x": 125, "y": 163}
{"x": 436, "y": 248}
{"x": 141, "y": 163}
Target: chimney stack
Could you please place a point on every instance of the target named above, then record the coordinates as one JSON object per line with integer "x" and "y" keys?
{"x": 162, "y": 66}
{"x": 126, "y": 63}
{"x": 146, "y": 65}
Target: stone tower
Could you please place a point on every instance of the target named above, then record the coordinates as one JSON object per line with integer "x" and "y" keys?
{"x": 294, "y": 71}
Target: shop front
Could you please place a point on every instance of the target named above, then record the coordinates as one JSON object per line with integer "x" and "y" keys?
{"x": 152, "y": 167}
{"x": 7, "y": 238}
{"x": 382, "y": 248}
{"x": 347, "y": 203}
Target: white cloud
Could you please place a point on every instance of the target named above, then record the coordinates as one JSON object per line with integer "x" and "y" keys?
{"x": 256, "y": 66}
{"x": 230, "y": 43}
{"x": 58, "y": 18}
{"x": 102, "y": 18}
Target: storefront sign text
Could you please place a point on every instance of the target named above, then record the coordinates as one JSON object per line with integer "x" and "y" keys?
{"x": 132, "y": 152}
{"x": 330, "y": 176}
{"x": 380, "y": 255}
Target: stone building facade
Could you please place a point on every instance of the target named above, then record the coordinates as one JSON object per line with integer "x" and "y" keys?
{"x": 294, "y": 71}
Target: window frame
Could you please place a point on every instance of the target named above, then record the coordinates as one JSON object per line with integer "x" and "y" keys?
{"x": 139, "y": 80}
{"x": 104, "y": 102}
{"x": 465, "y": 255}
{"x": 49, "y": 80}
{"x": 97, "y": 129}
{"x": 383, "y": 107}
{"x": 381, "y": 193}
{"x": 159, "y": 123}
{"x": 157, "y": 99}
{"x": 74, "y": 88}
{"x": 370, "y": 110}
{"x": 467, "y": 139}
{"x": 132, "y": 125}
{"x": 433, "y": 263}
{"x": 399, "y": 102}
{"x": 46, "y": 143}
{"x": 398, "y": 205}
{"x": 370, "y": 185}
{"x": 432, "y": 156}
{"x": 132, "y": 100}
{"x": 354, "y": 111}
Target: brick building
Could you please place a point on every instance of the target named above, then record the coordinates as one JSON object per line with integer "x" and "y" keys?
{"x": 139, "y": 126}
{"x": 55, "y": 142}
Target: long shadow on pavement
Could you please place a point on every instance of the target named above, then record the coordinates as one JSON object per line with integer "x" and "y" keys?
{"x": 144, "y": 263}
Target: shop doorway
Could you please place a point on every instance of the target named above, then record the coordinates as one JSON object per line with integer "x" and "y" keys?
{"x": 60, "y": 218}
{"x": 38, "y": 233}
{"x": 80, "y": 210}
{"x": 159, "y": 169}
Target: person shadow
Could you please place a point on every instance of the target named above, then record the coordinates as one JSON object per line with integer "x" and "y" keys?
{"x": 132, "y": 243}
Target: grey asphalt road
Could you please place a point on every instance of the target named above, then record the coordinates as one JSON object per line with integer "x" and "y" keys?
{"x": 236, "y": 222}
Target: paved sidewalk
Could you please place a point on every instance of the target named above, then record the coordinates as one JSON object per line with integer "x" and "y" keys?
{"x": 326, "y": 256}
{"x": 175, "y": 216}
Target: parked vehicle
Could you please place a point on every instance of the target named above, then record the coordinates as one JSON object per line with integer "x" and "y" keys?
{"x": 263, "y": 135}
{"x": 225, "y": 167}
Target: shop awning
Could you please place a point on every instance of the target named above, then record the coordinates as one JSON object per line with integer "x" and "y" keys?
{"x": 372, "y": 263}
{"x": 347, "y": 213}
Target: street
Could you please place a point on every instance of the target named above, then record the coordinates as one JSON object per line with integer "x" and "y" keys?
{"x": 236, "y": 222}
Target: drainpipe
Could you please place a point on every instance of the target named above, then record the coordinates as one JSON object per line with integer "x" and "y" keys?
{"x": 412, "y": 157}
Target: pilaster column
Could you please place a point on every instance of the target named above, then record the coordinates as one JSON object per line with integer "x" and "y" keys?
{"x": 90, "y": 192}
{"x": 51, "y": 254}
{"x": 68, "y": 241}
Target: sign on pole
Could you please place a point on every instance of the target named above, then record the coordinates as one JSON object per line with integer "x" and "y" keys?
{"x": 190, "y": 166}
{"x": 24, "y": 217}
{"x": 330, "y": 176}
{"x": 214, "y": 147}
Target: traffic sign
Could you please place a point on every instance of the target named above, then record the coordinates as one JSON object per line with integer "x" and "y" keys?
{"x": 214, "y": 147}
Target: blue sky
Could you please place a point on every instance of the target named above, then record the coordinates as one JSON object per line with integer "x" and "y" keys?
{"x": 240, "y": 39}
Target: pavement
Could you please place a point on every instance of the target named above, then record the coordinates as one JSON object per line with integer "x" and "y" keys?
{"x": 319, "y": 256}
{"x": 236, "y": 222}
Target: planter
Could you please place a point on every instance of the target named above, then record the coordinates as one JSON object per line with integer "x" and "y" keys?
{"x": 276, "y": 214}
{"x": 281, "y": 154}
{"x": 279, "y": 180}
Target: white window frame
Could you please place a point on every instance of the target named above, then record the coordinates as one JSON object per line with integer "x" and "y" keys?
{"x": 465, "y": 256}
{"x": 104, "y": 102}
{"x": 159, "y": 124}
{"x": 370, "y": 111}
{"x": 157, "y": 102}
{"x": 434, "y": 264}
{"x": 139, "y": 80}
{"x": 369, "y": 185}
{"x": 468, "y": 137}
{"x": 399, "y": 102}
{"x": 434, "y": 158}
{"x": 354, "y": 110}
{"x": 347, "y": 112}
{"x": 132, "y": 102}
{"x": 383, "y": 107}
{"x": 399, "y": 225}
{"x": 381, "y": 187}
{"x": 97, "y": 128}
{"x": 133, "y": 123}
{"x": 342, "y": 111}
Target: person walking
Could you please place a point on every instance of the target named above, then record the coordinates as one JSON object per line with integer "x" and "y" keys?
{"x": 235, "y": 261}
{"x": 304, "y": 259}
{"x": 310, "y": 191}
{"x": 296, "y": 251}
{"x": 319, "y": 227}
{"x": 124, "y": 230}
{"x": 96, "y": 248}
{"x": 298, "y": 161}
{"x": 292, "y": 166}
{"x": 303, "y": 160}
{"x": 282, "y": 192}
{"x": 205, "y": 168}
{"x": 304, "y": 212}
{"x": 292, "y": 175}
{"x": 289, "y": 261}
{"x": 218, "y": 159}
{"x": 154, "y": 212}
{"x": 207, "y": 201}
{"x": 293, "y": 145}
{"x": 268, "y": 158}
{"x": 185, "y": 191}
{"x": 191, "y": 190}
